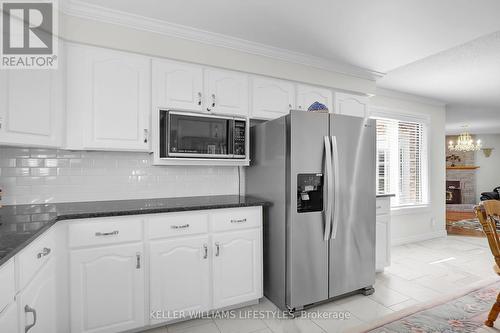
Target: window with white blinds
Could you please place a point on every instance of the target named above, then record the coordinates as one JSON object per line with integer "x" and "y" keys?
{"x": 401, "y": 161}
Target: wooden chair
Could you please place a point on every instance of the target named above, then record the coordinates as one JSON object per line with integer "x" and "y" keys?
{"x": 487, "y": 213}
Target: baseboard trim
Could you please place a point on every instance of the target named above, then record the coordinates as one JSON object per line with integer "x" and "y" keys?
{"x": 418, "y": 238}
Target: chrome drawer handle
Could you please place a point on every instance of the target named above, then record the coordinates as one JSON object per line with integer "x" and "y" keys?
{"x": 184, "y": 226}
{"x": 205, "y": 251}
{"x": 138, "y": 260}
{"x": 45, "y": 252}
{"x": 239, "y": 221}
{"x": 112, "y": 233}
{"x": 217, "y": 249}
{"x": 28, "y": 309}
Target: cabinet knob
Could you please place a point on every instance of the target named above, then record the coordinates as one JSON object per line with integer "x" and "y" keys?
{"x": 217, "y": 249}
{"x": 146, "y": 135}
{"x": 28, "y": 309}
{"x": 290, "y": 106}
{"x": 45, "y": 252}
{"x": 199, "y": 98}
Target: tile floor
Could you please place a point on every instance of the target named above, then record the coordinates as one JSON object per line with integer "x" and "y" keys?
{"x": 419, "y": 272}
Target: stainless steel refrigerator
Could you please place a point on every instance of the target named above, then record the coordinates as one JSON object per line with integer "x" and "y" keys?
{"x": 318, "y": 172}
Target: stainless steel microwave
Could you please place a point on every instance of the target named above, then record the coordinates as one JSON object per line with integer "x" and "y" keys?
{"x": 196, "y": 135}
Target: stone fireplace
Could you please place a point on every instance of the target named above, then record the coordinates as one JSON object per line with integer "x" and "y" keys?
{"x": 460, "y": 170}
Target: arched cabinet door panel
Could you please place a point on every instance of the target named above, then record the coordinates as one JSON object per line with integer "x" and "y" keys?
{"x": 31, "y": 107}
{"x": 352, "y": 105}
{"x": 107, "y": 288}
{"x": 307, "y": 95}
{"x": 109, "y": 99}
{"x": 179, "y": 275}
{"x": 271, "y": 98}
{"x": 177, "y": 85}
{"x": 237, "y": 260}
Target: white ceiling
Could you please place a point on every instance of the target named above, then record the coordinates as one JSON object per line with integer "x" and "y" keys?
{"x": 479, "y": 120}
{"x": 446, "y": 50}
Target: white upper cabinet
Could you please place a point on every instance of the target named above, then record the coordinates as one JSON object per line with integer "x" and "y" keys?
{"x": 107, "y": 288}
{"x": 352, "y": 105}
{"x": 226, "y": 92}
{"x": 307, "y": 95}
{"x": 31, "y": 107}
{"x": 237, "y": 267}
{"x": 271, "y": 98}
{"x": 180, "y": 275}
{"x": 177, "y": 85}
{"x": 108, "y": 99}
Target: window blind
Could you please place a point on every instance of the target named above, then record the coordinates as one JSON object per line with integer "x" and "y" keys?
{"x": 401, "y": 157}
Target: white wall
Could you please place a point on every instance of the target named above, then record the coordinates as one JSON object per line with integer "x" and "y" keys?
{"x": 31, "y": 175}
{"x": 421, "y": 223}
{"x": 155, "y": 44}
{"x": 488, "y": 174}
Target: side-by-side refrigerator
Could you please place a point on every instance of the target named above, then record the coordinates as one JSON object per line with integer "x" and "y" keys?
{"x": 318, "y": 172}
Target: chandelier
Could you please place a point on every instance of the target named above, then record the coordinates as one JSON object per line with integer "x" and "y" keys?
{"x": 465, "y": 143}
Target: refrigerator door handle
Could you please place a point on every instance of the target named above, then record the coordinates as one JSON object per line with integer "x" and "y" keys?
{"x": 336, "y": 187}
{"x": 327, "y": 200}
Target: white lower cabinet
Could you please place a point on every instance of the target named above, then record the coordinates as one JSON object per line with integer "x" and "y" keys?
{"x": 195, "y": 262}
{"x": 8, "y": 319}
{"x": 237, "y": 267}
{"x": 37, "y": 302}
{"x": 383, "y": 234}
{"x": 179, "y": 276}
{"x": 107, "y": 288}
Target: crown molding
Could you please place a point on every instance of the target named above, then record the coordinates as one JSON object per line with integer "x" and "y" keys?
{"x": 85, "y": 10}
{"x": 407, "y": 96}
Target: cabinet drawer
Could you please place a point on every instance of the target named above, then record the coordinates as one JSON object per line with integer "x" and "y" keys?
{"x": 105, "y": 231}
{"x": 35, "y": 256}
{"x": 236, "y": 218}
{"x": 7, "y": 284}
{"x": 383, "y": 206}
{"x": 177, "y": 224}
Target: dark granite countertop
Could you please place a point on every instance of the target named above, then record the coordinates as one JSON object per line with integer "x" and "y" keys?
{"x": 21, "y": 224}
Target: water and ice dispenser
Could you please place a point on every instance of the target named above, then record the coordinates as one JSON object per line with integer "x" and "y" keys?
{"x": 309, "y": 192}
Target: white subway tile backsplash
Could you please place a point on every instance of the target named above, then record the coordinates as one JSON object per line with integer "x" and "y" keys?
{"x": 29, "y": 175}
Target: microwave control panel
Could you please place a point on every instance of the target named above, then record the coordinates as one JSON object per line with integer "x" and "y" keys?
{"x": 239, "y": 138}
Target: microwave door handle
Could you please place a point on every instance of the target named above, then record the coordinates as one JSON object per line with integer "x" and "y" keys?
{"x": 336, "y": 187}
{"x": 167, "y": 134}
{"x": 327, "y": 199}
{"x": 230, "y": 144}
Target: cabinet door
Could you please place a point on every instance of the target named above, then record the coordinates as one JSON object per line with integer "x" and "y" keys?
{"x": 107, "y": 289}
{"x": 382, "y": 243}
{"x": 226, "y": 92}
{"x": 351, "y": 105}
{"x": 307, "y": 95}
{"x": 31, "y": 106}
{"x": 9, "y": 319}
{"x": 237, "y": 267}
{"x": 180, "y": 275}
{"x": 37, "y": 303}
{"x": 108, "y": 99}
{"x": 177, "y": 85}
{"x": 271, "y": 98}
